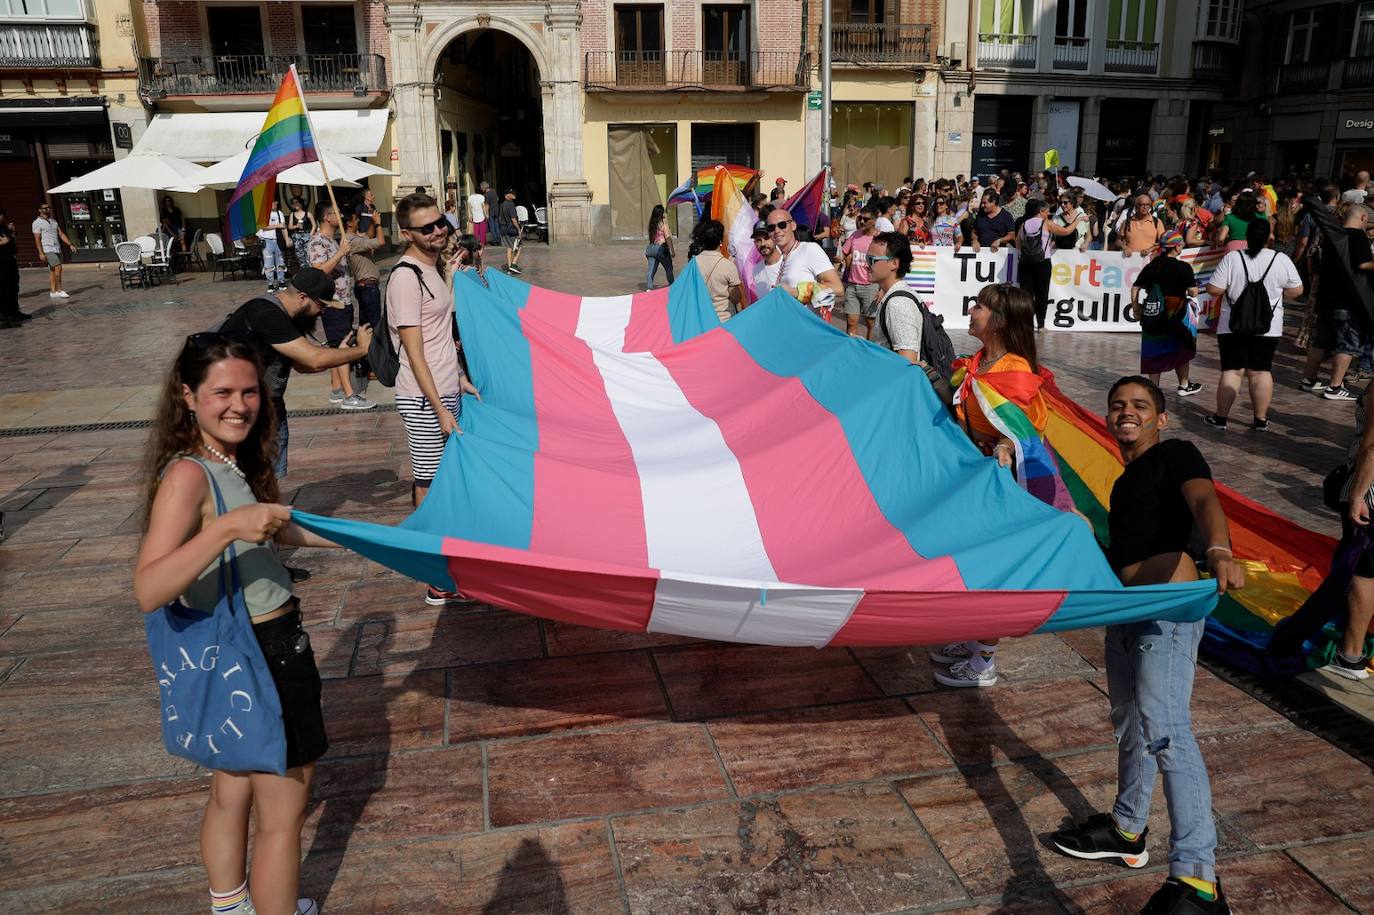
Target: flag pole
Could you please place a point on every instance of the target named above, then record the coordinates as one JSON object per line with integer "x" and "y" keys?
{"x": 315, "y": 138}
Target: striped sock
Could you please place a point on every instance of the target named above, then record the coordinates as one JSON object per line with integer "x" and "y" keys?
{"x": 234, "y": 902}
{"x": 1208, "y": 891}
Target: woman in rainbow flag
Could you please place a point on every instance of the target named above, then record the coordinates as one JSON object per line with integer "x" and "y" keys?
{"x": 999, "y": 403}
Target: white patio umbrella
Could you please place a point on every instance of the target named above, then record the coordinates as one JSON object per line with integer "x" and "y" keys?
{"x": 1095, "y": 189}
{"x": 152, "y": 171}
{"x": 344, "y": 171}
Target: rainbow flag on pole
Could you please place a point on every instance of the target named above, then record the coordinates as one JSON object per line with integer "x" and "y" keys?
{"x": 286, "y": 140}
{"x": 738, "y": 217}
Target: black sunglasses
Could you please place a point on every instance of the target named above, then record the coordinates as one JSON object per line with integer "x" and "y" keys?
{"x": 208, "y": 339}
{"x": 774, "y": 226}
{"x": 430, "y": 228}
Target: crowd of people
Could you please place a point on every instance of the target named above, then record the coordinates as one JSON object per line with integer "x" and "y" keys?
{"x": 220, "y": 439}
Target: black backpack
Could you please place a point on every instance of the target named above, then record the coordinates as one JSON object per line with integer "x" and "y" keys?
{"x": 1154, "y": 311}
{"x": 936, "y": 349}
{"x": 1032, "y": 247}
{"x": 1251, "y": 311}
{"x": 381, "y": 354}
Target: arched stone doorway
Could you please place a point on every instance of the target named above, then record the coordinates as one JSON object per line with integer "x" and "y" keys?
{"x": 507, "y": 81}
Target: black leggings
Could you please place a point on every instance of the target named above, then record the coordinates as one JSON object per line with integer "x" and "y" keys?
{"x": 1034, "y": 277}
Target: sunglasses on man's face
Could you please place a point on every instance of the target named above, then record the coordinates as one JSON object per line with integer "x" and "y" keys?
{"x": 872, "y": 259}
{"x": 778, "y": 226}
{"x": 429, "y": 228}
{"x": 865, "y": 219}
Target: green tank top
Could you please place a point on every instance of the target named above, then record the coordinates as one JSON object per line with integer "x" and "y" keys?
{"x": 266, "y": 583}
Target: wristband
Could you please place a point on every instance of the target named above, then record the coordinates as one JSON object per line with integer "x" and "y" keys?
{"x": 1224, "y": 549}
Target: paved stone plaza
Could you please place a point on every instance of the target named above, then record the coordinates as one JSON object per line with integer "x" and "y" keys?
{"x": 488, "y": 762}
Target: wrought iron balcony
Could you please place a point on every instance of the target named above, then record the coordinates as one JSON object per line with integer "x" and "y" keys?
{"x": 864, "y": 43}
{"x": 47, "y": 46}
{"x": 1131, "y": 57}
{"x": 1213, "y": 60}
{"x": 998, "y": 49}
{"x": 1070, "y": 52}
{"x": 1359, "y": 73}
{"x": 261, "y": 73}
{"x": 1308, "y": 77}
{"x": 657, "y": 71}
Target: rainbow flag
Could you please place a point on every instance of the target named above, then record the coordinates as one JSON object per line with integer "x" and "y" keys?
{"x": 738, "y": 217}
{"x": 807, "y": 205}
{"x": 1284, "y": 562}
{"x": 920, "y": 279}
{"x": 285, "y": 140}
{"x": 699, "y": 191}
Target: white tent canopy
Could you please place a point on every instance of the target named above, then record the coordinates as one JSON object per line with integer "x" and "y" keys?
{"x": 155, "y": 172}
{"x": 344, "y": 171}
{"x": 213, "y": 136}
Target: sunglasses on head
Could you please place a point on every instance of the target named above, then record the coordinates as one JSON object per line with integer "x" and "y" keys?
{"x": 775, "y": 226}
{"x": 208, "y": 339}
{"x": 430, "y": 228}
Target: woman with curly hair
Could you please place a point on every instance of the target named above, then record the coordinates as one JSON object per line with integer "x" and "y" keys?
{"x": 215, "y": 430}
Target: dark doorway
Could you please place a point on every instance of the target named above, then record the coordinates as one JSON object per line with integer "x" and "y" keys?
{"x": 725, "y": 45}
{"x": 1001, "y": 133}
{"x": 1123, "y": 140}
{"x": 722, "y": 144}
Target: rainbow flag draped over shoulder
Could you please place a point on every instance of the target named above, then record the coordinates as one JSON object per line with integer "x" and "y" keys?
{"x": 1003, "y": 397}
{"x": 285, "y": 140}
{"x": 1284, "y": 562}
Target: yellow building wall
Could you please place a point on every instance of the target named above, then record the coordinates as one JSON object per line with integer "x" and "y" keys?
{"x": 873, "y": 86}
{"x": 780, "y": 118}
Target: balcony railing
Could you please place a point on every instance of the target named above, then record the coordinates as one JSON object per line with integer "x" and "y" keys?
{"x": 864, "y": 43}
{"x": 257, "y": 73}
{"x": 1131, "y": 56}
{"x": 1070, "y": 53}
{"x": 654, "y": 71}
{"x": 1359, "y": 73}
{"x": 1212, "y": 60}
{"x": 997, "y": 49}
{"x": 1308, "y": 77}
{"x": 37, "y": 46}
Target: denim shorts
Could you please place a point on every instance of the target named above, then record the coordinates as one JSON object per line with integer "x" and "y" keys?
{"x": 1339, "y": 331}
{"x": 286, "y": 648}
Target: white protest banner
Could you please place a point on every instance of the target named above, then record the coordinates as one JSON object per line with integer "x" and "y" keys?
{"x": 1089, "y": 290}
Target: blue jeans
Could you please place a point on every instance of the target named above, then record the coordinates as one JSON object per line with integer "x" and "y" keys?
{"x": 654, "y": 263}
{"x": 273, "y": 262}
{"x": 283, "y": 437}
{"x": 1150, "y": 668}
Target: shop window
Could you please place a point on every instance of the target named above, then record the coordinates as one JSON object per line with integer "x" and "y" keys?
{"x": 1302, "y": 33}
{"x": 1363, "y": 45}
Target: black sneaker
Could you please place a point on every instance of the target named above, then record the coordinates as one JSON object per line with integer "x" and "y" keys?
{"x": 1351, "y": 670}
{"x": 1098, "y": 839}
{"x": 1216, "y": 422}
{"x": 1189, "y": 389}
{"x": 514, "y": 269}
{"x": 1260, "y": 425}
{"x": 1341, "y": 393}
{"x": 1178, "y": 898}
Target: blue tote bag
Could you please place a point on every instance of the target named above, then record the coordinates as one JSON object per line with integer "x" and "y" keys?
{"x": 220, "y": 708}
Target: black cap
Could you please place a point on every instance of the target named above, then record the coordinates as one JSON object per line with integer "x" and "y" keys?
{"x": 510, "y": 191}
{"x": 316, "y": 284}
{"x": 760, "y": 230}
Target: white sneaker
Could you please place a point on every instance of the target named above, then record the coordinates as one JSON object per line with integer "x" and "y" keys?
{"x": 952, "y": 653}
{"x": 336, "y": 395}
{"x": 307, "y": 907}
{"x": 62, "y": 294}
{"x": 963, "y": 674}
{"x": 357, "y": 402}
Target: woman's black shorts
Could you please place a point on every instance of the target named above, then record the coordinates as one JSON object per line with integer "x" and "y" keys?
{"x": 1245, "y": 351}
{"x": 286, "y": 646}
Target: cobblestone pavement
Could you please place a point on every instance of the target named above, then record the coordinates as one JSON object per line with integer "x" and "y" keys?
{"x": 483, "y": 761}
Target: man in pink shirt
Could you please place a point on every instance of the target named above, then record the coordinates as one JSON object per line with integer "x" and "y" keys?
{"x": 860, "y": 292}
{"x": 430, "y": 381}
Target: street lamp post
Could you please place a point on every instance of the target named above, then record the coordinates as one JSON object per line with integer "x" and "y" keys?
{"x": 825, "y": 84}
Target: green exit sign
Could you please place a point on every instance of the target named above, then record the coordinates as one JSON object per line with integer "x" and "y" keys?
{"x": 813, "y": 101}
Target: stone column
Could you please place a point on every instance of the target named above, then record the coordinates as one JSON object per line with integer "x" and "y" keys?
{"x": 570, "y": 197}
{"x": 416, "y": 130}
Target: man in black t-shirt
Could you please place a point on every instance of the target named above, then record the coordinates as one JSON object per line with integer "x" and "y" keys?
{"x": 1165, "y": 490}
{"x": 278, "y": 324}
{"x": 993, "y": 226}
{"x": 10, "y": 315}
{"x": 508, "y": 219}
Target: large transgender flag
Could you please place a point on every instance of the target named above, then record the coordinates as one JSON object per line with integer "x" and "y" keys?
{"x": 633, "y": 464}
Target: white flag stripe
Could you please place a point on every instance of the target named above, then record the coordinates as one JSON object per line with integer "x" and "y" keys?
{"x": 774, "y": 615}
{"x": 697, "y": 511}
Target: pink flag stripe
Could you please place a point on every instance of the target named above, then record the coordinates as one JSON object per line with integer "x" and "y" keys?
{"x": 582, "y": 471}
{"x": 895, "y": 618}
{"x": 648, "y": 330}
{"x": 800, "y": 456}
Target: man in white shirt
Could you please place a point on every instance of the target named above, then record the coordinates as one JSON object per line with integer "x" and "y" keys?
{"x": 49, "y": 238}
{"x": 1357, "y": 193}
{"x": 477, "y": 216}
{"x": 803, "y": 271}
{"x": 273, "y": 257}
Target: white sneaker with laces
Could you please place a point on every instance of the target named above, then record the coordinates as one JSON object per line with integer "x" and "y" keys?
{"x": 62, "y": 294}
{"x": 357, "y": 402}
{"x": 307, "y": 907}
{"x": 952, "y": 653}
{"x": 963, "y": 674}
